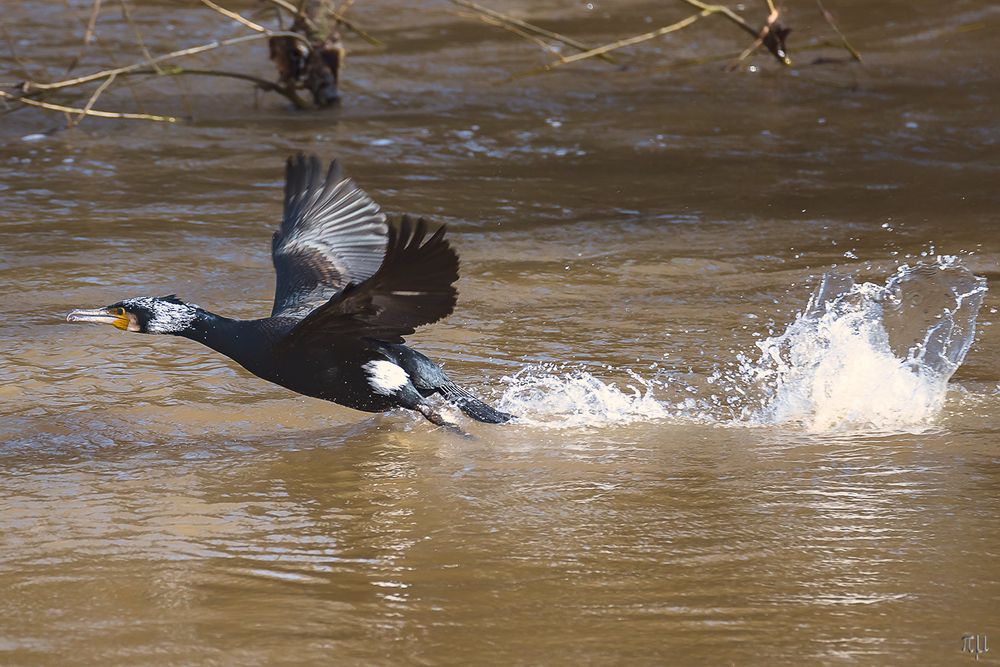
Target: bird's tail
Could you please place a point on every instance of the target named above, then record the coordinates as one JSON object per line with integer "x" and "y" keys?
{"x": 472, "y": 406}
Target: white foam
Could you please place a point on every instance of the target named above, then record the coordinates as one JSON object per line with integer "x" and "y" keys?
{"x": 838, "y": 372}
{"x": 548, "y": 396}
{"x": 867, "y": 356}
{"x": 859, "y": 357}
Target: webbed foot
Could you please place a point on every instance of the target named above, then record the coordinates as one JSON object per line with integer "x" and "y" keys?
{"x": 435, "y": 417}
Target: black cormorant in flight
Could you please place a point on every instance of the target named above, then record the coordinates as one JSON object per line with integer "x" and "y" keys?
{"x": 349, "y": 287}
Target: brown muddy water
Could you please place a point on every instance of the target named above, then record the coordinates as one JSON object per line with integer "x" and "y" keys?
{"x": 628, "y": 235}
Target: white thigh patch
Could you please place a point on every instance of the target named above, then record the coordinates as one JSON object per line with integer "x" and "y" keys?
{"x": 385, "y": 377}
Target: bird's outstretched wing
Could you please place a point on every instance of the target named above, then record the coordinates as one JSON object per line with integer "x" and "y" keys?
{"x": 414, "y": 286}
{"x": 332, "y": 235}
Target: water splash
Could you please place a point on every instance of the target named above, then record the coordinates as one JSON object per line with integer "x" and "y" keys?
{"x": 860, "y": 356}
{"x": 556, "y": 396}
{"x": 867, "y": 355}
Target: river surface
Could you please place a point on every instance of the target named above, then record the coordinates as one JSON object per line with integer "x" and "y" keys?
{"x": 628, "y": 234}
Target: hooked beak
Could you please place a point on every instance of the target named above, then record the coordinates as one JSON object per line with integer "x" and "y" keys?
{"x": 99, "y": 316}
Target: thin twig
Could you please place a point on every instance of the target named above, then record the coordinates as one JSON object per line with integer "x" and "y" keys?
{"x": 727, "y": 12}
{"x": 30, "y": 86}
{"x": 135, "y": 29}
{"x": 593, "y": 53}
{"x": 93, "y": 98}
{"x": 833, "y": 24}
{"x": 88, "y": 35}
{"x": 353, "y": 27}
{"x": 746, "y": 53}
{"x": 173, "y": 70}
{"x": 287, "y": 6}
{"x": 112, "y": 56}
{"x": 90, "y": 112}
{"x": 184, "y": 94}
{"x": 127, "y": 15}
{"x": 524, "y": 25}
{"x": 776, "y": 49}
{"x": 541, "y": 43}
{"x": 761, "y": 36}
{"x": 262, "y": 84}
{"x": 13, "y": 51}
{"x": 758, "y": 35}
{"x": 234, "y": 16}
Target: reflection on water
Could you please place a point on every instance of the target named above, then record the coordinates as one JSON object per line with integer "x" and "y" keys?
{"x": 627, "y": 238}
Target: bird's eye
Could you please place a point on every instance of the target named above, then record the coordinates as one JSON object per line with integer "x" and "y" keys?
{"x": 120, "y": 312}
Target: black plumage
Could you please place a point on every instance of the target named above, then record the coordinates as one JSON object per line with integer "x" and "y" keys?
{"x": 349, "y": 287}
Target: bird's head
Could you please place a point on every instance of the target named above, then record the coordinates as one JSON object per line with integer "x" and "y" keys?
{"x": 145, "y": 314}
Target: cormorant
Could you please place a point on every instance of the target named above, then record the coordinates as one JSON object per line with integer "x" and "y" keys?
{"x": 349, "y": 287}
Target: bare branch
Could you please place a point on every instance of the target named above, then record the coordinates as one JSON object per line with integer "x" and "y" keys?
{"x": 828, "y": 17}
{"x": 87, "y": 112}
{"x": 88, "y": 35}
{"x": 673, "y": 27}
{"x": 727, "y": 12}
{"x": 262, "y": 84}
{"x": 127, "y": 14}
{"x": 524, "y": 25}
{"x": 234, "y": 16}
{"x": 761, "y": 36}
{"x": 13, "y": 51}
{"x": 30, "y": 86}
{"x": 135, "y": 29}
{"x": 287, "y": 6}
{"x": 93, "y": 98}
{"x": 541, "y": 43}
{"x": 774, "y": 42}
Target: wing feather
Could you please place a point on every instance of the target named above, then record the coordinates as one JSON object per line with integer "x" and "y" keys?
{"x": 414, "y": 286}
{"x": 332, "y": 235}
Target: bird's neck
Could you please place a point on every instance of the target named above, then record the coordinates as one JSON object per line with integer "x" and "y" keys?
{"x": 228, "y": 336}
